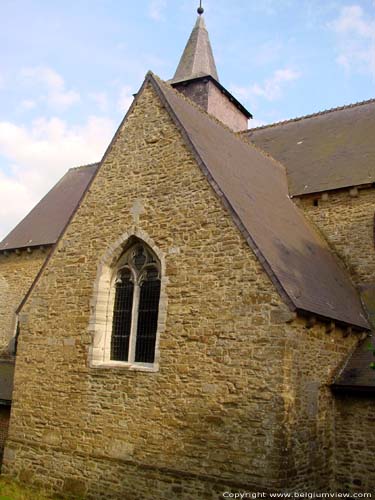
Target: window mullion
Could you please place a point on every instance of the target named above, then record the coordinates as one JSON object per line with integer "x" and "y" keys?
{"x": 134, "y": 324}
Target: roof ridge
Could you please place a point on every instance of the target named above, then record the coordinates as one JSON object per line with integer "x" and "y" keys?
{"x": 312, "y": 115}
{"x": 234, "y": 150}
{"x": 239, "y": 135}
{"x": 189, "y": 101}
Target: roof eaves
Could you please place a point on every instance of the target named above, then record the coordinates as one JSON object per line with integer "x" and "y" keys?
{"x": 158, "y": 86}
{"x": 358, "y": 389}
{"x": 230, "y": 96}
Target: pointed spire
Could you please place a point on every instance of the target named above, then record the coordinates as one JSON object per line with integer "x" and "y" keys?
{"x": 197, "y": 59}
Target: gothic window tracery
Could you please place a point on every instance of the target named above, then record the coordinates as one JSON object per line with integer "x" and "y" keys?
{"x": 136, "y": 306}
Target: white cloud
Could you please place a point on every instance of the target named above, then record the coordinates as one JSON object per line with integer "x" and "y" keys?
{"x": 156, "y": 9}
{"x": 101, "y": 100}
{"x": 57, "y": 96}
{"x": 16, "y": 200}
{"x": 271, "y": 89}
{"x": 125, "y": 99}
{"x": 37, "y": 156}
{"x": 27, "y": 105}
{"x": 356, "y": 39}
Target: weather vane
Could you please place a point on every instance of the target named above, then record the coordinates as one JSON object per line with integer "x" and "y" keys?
{"x": 200, "y": 9}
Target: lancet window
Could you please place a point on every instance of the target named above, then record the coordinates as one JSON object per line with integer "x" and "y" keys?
{"x": 136, "y": 306}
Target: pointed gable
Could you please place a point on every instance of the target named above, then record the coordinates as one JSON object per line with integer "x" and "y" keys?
{"x": 254, "y": 188}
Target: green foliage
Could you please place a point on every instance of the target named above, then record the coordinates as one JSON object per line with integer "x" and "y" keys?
{"x": 371, "y": 348}
{"x": 10, "y": 490}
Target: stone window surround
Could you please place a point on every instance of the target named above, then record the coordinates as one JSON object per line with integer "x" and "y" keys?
{"x": 101, "y": 305}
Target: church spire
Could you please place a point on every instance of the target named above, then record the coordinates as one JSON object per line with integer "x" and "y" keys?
{"x": 197, "y": 79}
{"x": 197, "y": 59}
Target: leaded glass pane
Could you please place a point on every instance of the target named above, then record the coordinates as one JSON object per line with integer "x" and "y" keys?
{"x": 122, "y": 315}
{"x": 148, "y": 318}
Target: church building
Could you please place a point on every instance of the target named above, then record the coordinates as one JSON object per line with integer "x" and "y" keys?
{"x": 191, "y": 316}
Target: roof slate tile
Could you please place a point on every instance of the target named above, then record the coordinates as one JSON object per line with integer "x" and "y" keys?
{"x": 329, "y": 150}
{"x": 254, "y": 186}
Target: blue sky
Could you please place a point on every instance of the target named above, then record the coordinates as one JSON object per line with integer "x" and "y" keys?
{"x": 68, "y": 70}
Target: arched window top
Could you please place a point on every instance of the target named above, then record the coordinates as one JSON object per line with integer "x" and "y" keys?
{"x": 136, "y": 306}
{"x": 140, "y": 261}
{"x": 129, "y": 305}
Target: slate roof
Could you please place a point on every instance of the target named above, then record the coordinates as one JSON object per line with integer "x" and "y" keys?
{"x": 44, "y": 224}
{"x": 329, "y": 150}
{"x": 254, "y": 188}
{"x": 197, "y": 59}
{"x": 357, "y": 373}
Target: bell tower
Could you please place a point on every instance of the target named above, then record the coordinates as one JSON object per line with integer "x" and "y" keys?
{"x": 197, "y": 78}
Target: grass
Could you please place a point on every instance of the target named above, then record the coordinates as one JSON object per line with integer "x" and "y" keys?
{"x": 10, "y": 490}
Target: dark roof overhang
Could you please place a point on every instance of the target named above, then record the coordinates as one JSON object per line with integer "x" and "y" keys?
{"x": 210, "y": 78}
{"x": 361, "y": 390}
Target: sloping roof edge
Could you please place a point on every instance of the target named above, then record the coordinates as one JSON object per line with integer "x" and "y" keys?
{"x": 43, "y": 224}
{"x": 154, "y": 80}
{"x": 99, "y": 164}
{"x": 327, "y": 151}
{"x": 54, "y": 244}
{"x": 158, "y": 87}
{"x": 356, "y": 375}
{"x": 305, "y": 117}
{"x": 362, "y": 323}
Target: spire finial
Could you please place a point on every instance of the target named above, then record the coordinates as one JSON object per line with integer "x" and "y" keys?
{"x": 200, "y": 9}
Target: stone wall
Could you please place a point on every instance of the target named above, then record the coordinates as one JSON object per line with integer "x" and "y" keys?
{"x": 312, "y": 357}
{"x": 213, "y": 410}
{"x": 346, "y": 218}
{"x": 17, "y": 273}
{"x": 241, "y": 397}
{"x": 355, "y": 443}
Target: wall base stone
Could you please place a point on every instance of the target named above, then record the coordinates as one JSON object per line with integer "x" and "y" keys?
{"x": 82, "y": 476}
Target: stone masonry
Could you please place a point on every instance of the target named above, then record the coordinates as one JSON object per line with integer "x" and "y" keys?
{"x": 241, "y": 399}
{"x": 346, "y": 218}
{"x": 17, "y": 273}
